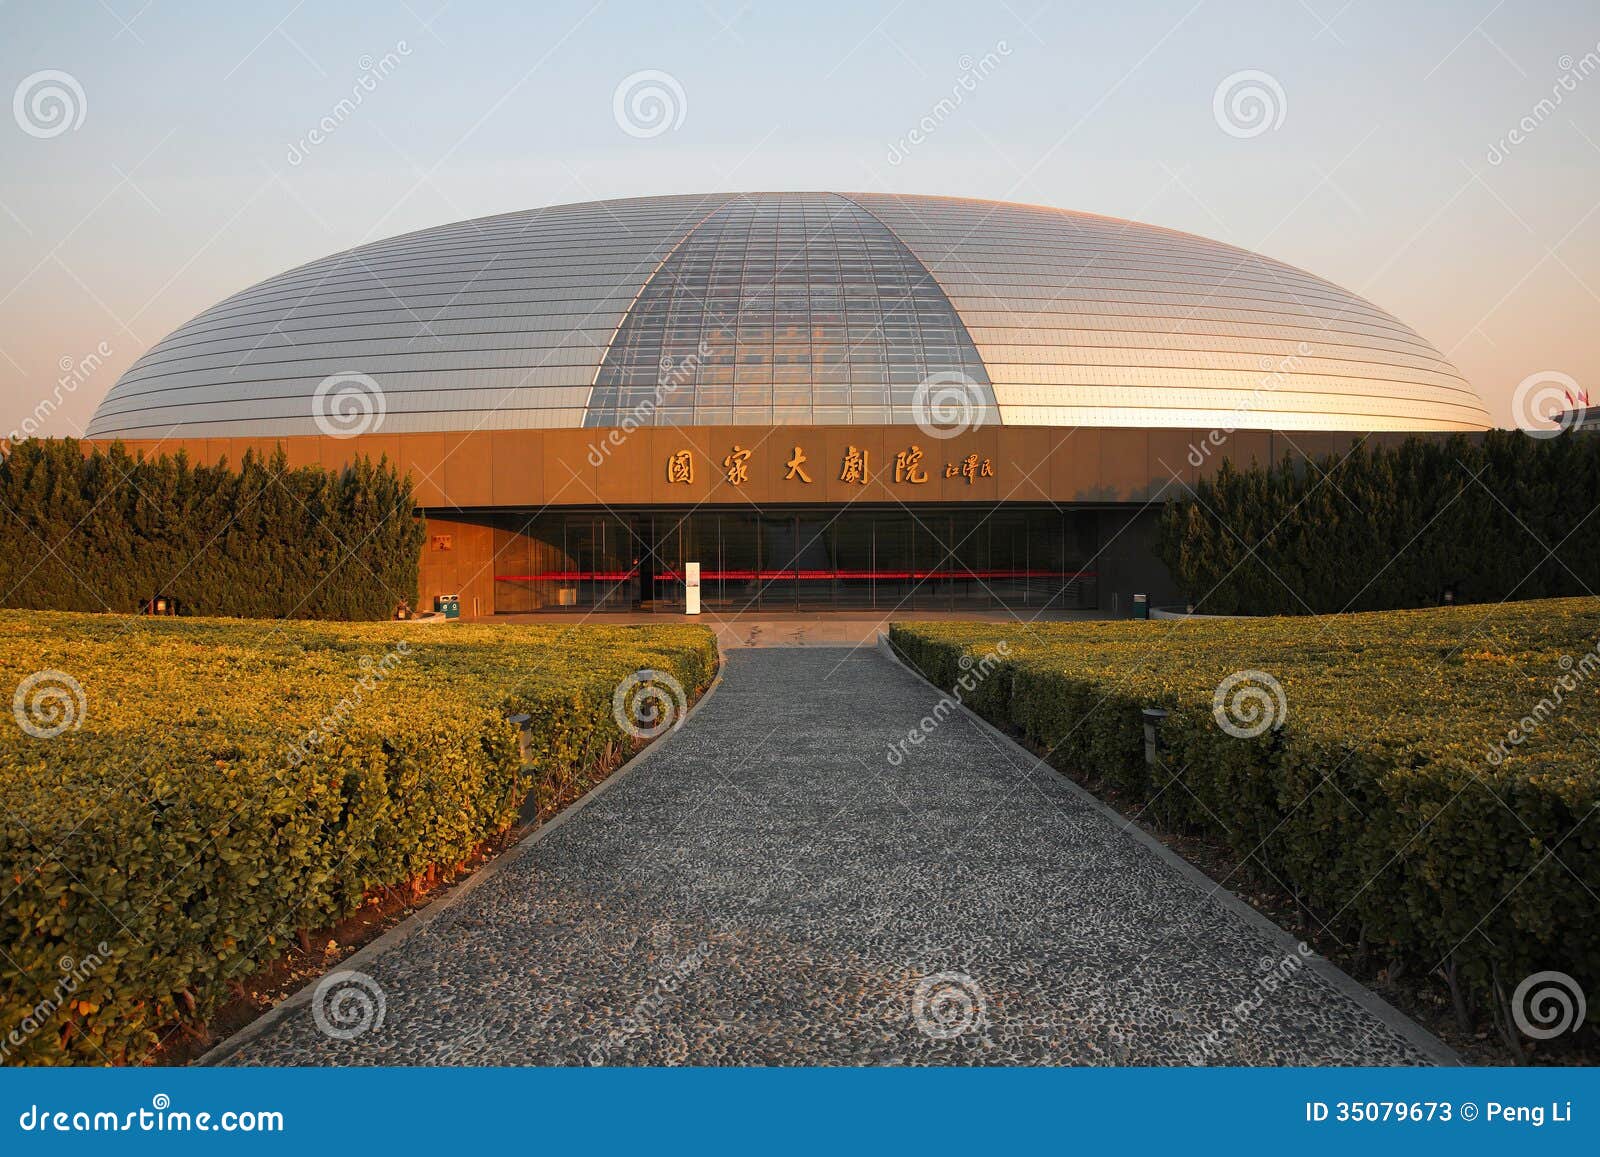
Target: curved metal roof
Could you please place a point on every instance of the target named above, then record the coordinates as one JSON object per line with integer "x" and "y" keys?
{"x": 791, "y": 308}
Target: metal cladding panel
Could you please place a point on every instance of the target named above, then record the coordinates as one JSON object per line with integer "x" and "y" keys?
{"x": 775, "y": 308}
{"x": 1085, "y": 320}
{"x": 495, "y": 323}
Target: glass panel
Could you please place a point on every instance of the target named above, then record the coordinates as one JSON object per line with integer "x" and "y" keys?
{"x": 815, "y": 565}
{"x": 666, "y": 562}
{"x": 1048, "y": 567}
{"x": 968, "y": 565}
{"x": 778, "y": 563}
{"x": 789, "y": 288}
{"x": 929, "y": 533}
{"x": 892, "y": 561}
{"x": 852, "y": 553}
{"x": 1008, "y": 558}
{"x": 739, "y": 565}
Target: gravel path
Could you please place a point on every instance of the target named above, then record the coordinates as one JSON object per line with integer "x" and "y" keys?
{"x": 766, "y": 887}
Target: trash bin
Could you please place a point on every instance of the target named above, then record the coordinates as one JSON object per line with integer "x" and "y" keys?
{"x": 1141, "y": 606}
{"x": 448, "y": 605}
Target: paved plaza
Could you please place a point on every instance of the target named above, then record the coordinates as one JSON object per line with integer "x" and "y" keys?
{"x": 768, "y": 886}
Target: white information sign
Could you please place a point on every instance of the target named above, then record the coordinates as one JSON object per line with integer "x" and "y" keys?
{"x": 691, "y": 588}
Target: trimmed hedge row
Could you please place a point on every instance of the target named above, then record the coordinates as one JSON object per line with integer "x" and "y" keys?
{"x": 105, "y": 531}
{"x": 1489, "y": 517}
{"x": 1431, "y": 791}
{"x": 231, "y": 785}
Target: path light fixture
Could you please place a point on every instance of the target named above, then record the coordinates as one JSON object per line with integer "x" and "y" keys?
{"x": 522, "y": 723}
{"x": 1153, "y": 719}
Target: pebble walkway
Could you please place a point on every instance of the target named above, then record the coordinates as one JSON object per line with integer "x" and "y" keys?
{"x": 768, "y": 887}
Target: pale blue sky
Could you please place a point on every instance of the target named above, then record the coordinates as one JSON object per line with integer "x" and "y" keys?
{"x": 177, "y": 187}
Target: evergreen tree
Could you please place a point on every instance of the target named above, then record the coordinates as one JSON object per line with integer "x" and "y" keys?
{"x": 1484, "y": 518}
{"x": 96, "y": 529}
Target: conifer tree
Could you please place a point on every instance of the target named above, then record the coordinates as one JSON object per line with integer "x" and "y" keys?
{"x": 96, "y": 529}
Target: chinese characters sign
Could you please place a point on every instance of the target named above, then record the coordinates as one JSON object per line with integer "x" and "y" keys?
{"x": 911, "y": 467}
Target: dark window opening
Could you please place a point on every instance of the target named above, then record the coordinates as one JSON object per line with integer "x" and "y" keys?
{"x": 806, "y": 560}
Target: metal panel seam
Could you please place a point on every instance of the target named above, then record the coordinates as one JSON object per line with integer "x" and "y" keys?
{"x": 600, "y": 363}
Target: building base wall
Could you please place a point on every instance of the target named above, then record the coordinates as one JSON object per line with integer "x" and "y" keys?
{"x": 480, "y": 489}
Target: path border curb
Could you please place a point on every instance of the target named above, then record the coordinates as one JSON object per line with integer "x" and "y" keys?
{"x": 1337, "y": 978}
{"x": 424, "y": 917}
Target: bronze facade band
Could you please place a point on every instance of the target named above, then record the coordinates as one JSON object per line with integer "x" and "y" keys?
{"x": 827, "y": 516}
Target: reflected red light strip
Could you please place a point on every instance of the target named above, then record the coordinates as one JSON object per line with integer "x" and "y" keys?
{"x": 794, "y": 576}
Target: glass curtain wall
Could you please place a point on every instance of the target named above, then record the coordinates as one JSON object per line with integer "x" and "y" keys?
{"x": 807, "y": 560}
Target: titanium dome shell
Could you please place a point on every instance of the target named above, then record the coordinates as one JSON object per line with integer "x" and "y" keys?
{"x": 792, "y": 309}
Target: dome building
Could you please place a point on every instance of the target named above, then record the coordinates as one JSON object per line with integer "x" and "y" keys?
{"x": 824, "y": 399}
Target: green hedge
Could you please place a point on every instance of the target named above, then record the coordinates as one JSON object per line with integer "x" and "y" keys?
{"x": 188, "y": 826}
{"x": 105, "y": 531}
{"x": 1497, "y": 516}
{"x": 1390, "y": 801}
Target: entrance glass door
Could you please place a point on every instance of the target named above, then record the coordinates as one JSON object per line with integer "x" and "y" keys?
{"x": 815, "y": 565}
{"x": 779, "y": 550}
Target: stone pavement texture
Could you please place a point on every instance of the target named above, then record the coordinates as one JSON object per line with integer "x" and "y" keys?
{"x": 768, "y": 887}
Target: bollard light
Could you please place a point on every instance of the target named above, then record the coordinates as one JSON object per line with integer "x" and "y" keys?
{"x": 1153, "y": 718}
{"x": 524, "y": 736}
